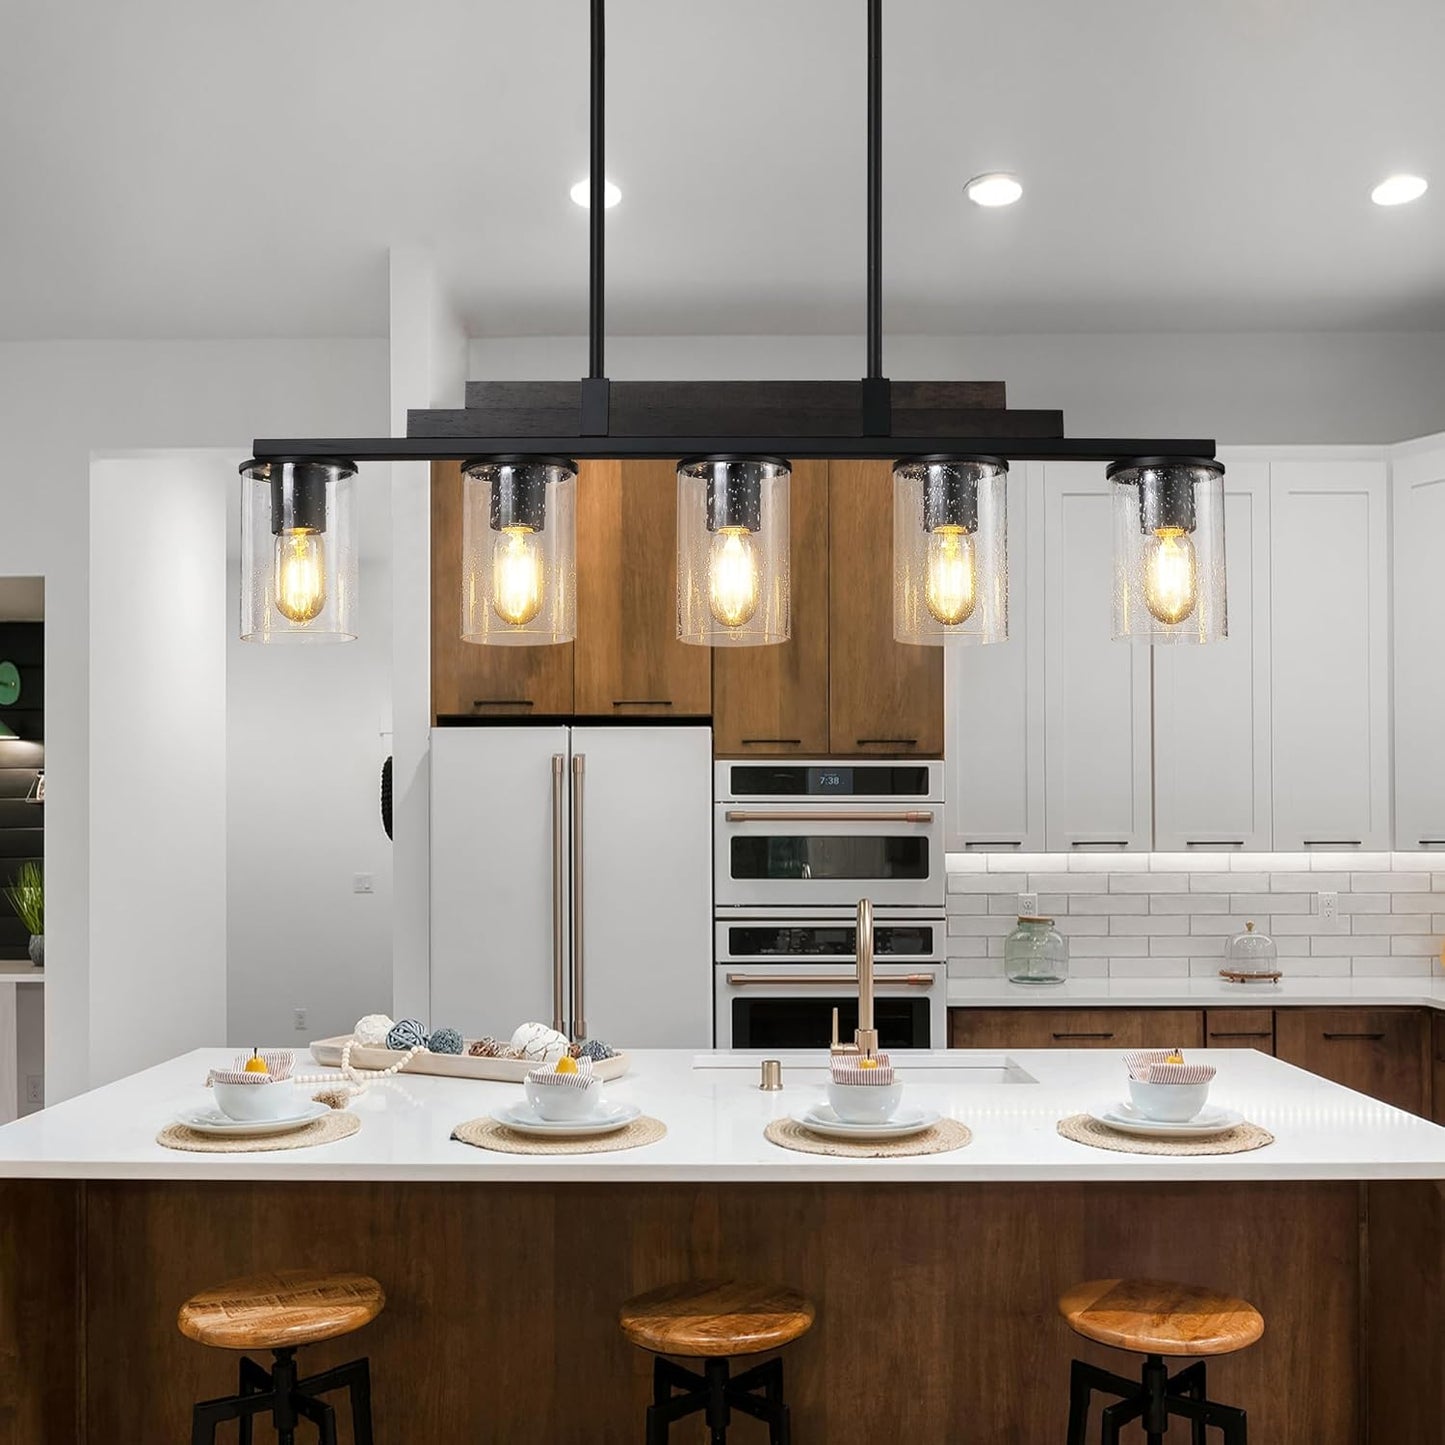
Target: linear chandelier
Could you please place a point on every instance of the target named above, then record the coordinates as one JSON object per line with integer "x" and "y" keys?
{"x": 520, "y": 445}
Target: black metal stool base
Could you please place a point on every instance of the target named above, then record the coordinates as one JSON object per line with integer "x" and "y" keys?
{"x": 288, "y": 1400}
{"x": 757, "y": 1392}
{"x": 1153, "y": 1403}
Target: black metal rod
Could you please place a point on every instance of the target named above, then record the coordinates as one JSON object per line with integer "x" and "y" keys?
{"x": 875, "y": 188}
{"x": 669, "y": 448}
{"x": 597, "y": 183}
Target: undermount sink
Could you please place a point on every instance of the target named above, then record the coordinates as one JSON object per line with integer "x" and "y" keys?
{"x": 962, "y": 1066}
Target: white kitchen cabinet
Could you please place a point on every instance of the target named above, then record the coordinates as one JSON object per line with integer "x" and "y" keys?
{"x": 1330, "y": 652}
{"x": 1097, "y": 747}
{"x": 1417, "y": 488}
{"x": 1212, "y": 703}
{"x": 994, "y": 714}
{"x": 571, "y": 882}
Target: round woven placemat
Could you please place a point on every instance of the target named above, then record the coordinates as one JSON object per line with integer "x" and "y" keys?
{"x": 488, "y": 1134}
{"x": 1083, "y": 1129}
{"x": 945, "y": 1135}
{"x": 326, "y": 1130}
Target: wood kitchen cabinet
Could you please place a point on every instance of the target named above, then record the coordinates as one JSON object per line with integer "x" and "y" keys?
{"x": 1437, "y": 1067}
{"x": 1239, "y": 1028}
{"x": 1329, "y": 558}
{"x": 470, "y": 680}
{"x": 773, "y": 701}
{"x": 1385, "y": 1053}
{"x": 626, "y": 661}
{"x": 1074, "y": 1028}
{"x": 884, "y": 697}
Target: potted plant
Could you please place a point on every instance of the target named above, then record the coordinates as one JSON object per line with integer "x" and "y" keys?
{"x": 26, "y": 895}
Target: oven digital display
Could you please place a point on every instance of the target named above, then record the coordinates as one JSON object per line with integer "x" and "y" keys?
{"x": 830, "y": 780}
{"x": 861, "y": 780}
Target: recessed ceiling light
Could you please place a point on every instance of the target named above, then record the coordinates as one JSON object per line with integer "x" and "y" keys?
{"x": 582, "y": 194}
{"x": 994, "y": 188}
{"x": 1396, "y": 190}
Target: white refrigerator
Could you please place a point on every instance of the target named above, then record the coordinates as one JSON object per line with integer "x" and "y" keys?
{"x": 571, "y": 882}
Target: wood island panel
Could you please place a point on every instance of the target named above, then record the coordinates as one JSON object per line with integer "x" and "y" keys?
{"x": 937, "y": 1304}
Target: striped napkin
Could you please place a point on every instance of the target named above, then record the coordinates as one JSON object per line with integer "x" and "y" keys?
{"x": 1149, "y": 1066}
{"x": 548, "y": 1076}
{"x": 849, "y": 1070}
{"x": 278, "y": 1065}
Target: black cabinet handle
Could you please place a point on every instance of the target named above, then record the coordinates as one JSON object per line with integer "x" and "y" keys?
{"x": 1099, "y": 843}
{"x": 1331, "y": 842}
{"x": 993, "y": 843}
{"x": 780, "y": 742}
{"x": 1372, "y": 1037}
{"x": 891, "y": 742}
{"x": 641, "y": 702}
{"x": 1430, "y": 842}
{"x": 1260, "y": 1034}
{"x": 503, "y": 702}
{"x": 1108, "y": 1035}
{"x": 1214, "y": 842}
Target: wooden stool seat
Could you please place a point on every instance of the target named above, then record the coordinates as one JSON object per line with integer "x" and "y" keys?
{"x": 281, "y": 1311}
{"x": 1157, "y": 1317}
{"x": 713, "y": 1319}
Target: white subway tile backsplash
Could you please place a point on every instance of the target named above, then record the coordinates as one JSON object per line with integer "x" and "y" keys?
{"x": 1172, "y": 915}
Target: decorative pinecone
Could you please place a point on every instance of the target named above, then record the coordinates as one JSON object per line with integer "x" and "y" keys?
{"x": 595, "y": 1050}
{"x": 574, "y": 1051}
{"x": 406, "y": 1034}
{"x": 445, "y": 1041}
{"x": 487, "y": 1048}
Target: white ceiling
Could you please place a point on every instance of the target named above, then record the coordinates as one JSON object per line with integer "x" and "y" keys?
{"x": 193, "y": 168}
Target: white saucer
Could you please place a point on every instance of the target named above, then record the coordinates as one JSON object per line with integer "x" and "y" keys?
{"x": 607, "y": 1119}
{"x": 1208, "y": 1122}
{"x": 213, "y": 1121}
{"x": 820, "y": 1119}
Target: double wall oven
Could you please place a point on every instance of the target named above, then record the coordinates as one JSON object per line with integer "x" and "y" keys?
{"x": 795, "y": 846}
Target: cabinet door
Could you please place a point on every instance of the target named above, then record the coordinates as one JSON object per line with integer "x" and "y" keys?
{"x": 1240, "y": 1028}
{"x": 1330, "y": 654}
{"x": 1437, "y": 1082}
{"x": 883, "y": 696}
{"x": 1417, "y": 486}
{"x": 773, "y": 701}
{"x": 629, "y": 662}
{"x": 470, "y": 679}
{"x": 1074, "y": 1028}
{"x": 993, "y": 701}
{"x": 644, "y": 857}
{"x": 497, "y": 867}
{"x": 1384, "y": 1053}
{"x": 1096, "y": 691}
{"x": 1212, "y": 704}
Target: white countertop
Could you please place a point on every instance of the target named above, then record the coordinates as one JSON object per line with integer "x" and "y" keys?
{"x": 715, "y": 1116}
{"x": 1422, "y": 991}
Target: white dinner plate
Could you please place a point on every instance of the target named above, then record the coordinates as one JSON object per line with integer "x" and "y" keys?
{"x": 213, "y": 1121}
{"x": 820, "y": 1119}
{"x": 1204, "y": 1125}
{"x": 607, "y": 1119}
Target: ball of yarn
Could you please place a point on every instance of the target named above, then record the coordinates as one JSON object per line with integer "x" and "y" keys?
{"x": 372, "y": 1030}
{"x": 445, "y": 1041}
{"x": 595, "y": 1050}
{"x": 406, "y": 1034}
{"x": 537, "y": 1041}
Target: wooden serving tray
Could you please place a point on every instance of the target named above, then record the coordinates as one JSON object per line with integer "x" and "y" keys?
{"x": 327, "y": 1053}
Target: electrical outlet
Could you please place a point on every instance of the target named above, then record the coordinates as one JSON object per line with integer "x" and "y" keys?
{"x": 363, "y": 883}
{"x": 1028, "y": 905}
{"x": 35, "y": 1088}
{"x": 1328, "y": 907}
{"x": 298, "y": 1018}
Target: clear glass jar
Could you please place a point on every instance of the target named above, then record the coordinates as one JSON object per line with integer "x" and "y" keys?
{"x": 1036, "y": 952}
{"x": 1251, "y": 955}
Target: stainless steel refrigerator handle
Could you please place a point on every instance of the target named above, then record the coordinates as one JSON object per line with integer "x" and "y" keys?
{"x": 579, "y": 965}
{"x": 559, "y": 900}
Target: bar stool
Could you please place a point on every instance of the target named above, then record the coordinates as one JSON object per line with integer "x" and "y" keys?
{"x": 1156, "y": 1318}
{"x": 281, "y": 1312}
{"x": 712, "y": 1320}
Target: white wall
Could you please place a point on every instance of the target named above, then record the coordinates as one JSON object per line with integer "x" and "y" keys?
{"x": 157, "y": 759}
{"x": 59, "y": 403}
{"x": 1241, "y": 389}
{"x": 307, "y": 729}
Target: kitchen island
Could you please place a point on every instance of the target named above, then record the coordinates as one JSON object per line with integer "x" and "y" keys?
{"x": 935, "y": 1276}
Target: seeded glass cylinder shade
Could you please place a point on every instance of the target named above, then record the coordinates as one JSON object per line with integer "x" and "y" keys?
{"x": 733, "y": 586}
{"x": 950, "y": 550}
{"x": 298, "y": 552}
{"x": 519, "y": 551}
{"x": 1169, "y": 583}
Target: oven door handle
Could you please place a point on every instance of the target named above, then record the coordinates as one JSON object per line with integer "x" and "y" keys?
{"x": 829, "y": 815}
{"x": 831, "y": 980}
